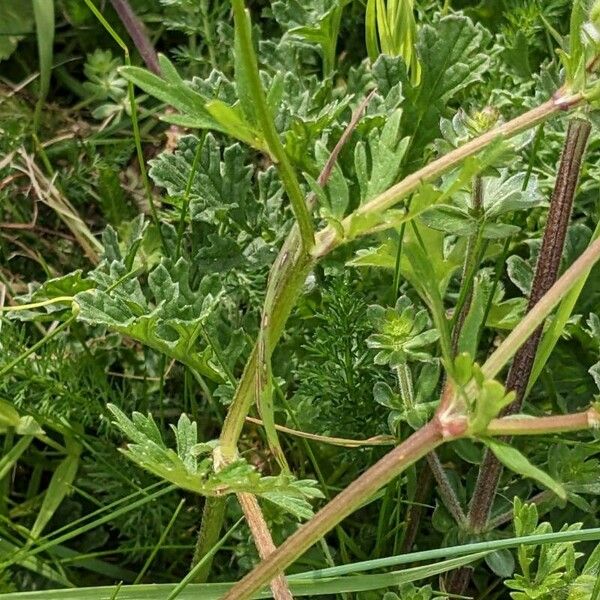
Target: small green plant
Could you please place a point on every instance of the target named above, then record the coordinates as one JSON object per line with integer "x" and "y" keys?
{"x": 342, "y": 248}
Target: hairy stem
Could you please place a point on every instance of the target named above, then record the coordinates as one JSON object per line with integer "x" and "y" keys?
{"x": 267, "y": 126}
{"x": 136, "y": 30}
{"x": 328, "y": 238}
{"x": 525, "y": 425}
{"x": 415, "y": 510}
{"x": 346, "y": 502}
{"x": 545, "y": 276}
{"x": 445, "y": 489}
{"x": 264, "y": 543}
{"x": 212, "y": 518}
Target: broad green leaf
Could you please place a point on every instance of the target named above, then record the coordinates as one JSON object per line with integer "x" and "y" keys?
{"x": 171, "y": 322}
{"x": 378, "y": 161}
{"x": 445, "y": 264}
{"x": 234, "y": 124}
{"x": 316, "y": 21}
{"x": 511, "y": 458}
{"x": 177, "y": 95}
{"x": 501, "y": 562}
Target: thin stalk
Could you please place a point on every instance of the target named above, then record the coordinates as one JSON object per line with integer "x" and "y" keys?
{"x": 328, "y": 238}
{"x": 13, "y": 363}
{"x": 472, "y": 259}
{"x": 396, "y": 280}
{"x": 267, "y": 126}
{"x": 415, "y": 511}
{"x": 186, "y": 196}
{"x": 136, "y": 30}
{"x": 210, "y": 529}
{"x": 161, "y": 541}
{"x": 445, "y": 489}
{"x": 134, "y": 118}
{"x": 263, "y": 541}
{"x": 545, "y": 276}
{"x": 208, "y": 37}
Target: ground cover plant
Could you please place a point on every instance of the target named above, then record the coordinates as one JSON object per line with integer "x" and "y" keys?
{"x": 299, "y": 299}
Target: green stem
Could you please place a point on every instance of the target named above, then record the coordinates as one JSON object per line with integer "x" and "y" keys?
{"x": 292, "y": 265}
{"x": 472, "y": 260}
{"x": 186, "y": 196}
{"x": 328, "y": 238}
{"x": 208, "y": 37}
{"x": 265, "y": 121}
{"x": 213, "y": 515}
{"x": 406, "y": 384}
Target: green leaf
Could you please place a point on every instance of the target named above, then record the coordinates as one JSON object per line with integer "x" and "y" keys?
{"x": 17, "y": 22}
{"x": 469, "y": 333}
{"x": 511, "y": 458}
{"x": 43, "y": 12}
{"x": 213, "y": 591}
{"x": 454, "y": 55}
{"x": 9, "y": 459}
{"x": 232, "y": 122}
{"x": 59, "y": 487}
{"x": 242, "y": 81}
{"x": 172, "y": 326}
{"x": 191, "y": 466}
{"x": 501, "y": 562}
{"x": 378, "y": 161}
{"x": 315, "y": 21}
{"x": 197, "y": 110}
{"x": 220, "y": 186}
{"x": 371, "y": 30}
